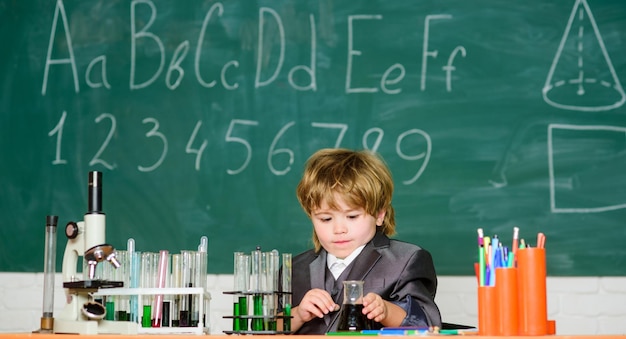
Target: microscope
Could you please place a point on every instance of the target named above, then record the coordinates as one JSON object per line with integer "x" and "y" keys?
{"x": 82, "y": 314}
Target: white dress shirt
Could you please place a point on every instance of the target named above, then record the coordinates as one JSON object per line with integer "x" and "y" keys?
{"x": 337, "y": 266}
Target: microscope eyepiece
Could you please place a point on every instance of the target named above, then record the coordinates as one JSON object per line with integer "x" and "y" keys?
{"x": 95, "y": 192}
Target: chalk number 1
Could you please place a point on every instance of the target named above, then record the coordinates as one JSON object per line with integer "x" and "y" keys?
{"x": 58, "y": 130}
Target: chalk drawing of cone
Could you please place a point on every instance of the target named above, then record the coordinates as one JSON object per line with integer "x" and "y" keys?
{"x": 582, "y": 77}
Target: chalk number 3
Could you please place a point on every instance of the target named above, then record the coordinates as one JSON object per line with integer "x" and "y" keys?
{"x": 97, "y": 158}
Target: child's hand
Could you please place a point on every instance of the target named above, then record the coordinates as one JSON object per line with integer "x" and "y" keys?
{"x": 315, "y": 303}
{"x": 374, "y": 307}
{"x": 382, "y": 311}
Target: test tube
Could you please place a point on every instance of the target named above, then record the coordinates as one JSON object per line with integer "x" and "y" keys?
{"x": 147, "y": 281}
{"x": 242, "y": 286}
{"x": 162, "y": 273}
{"x": 286, "y": 289}
{"x": 269, "y": 301}
{"x": 135, "y": 282}
{"x": 167, "y": 299}
{"x": 133, "y": 278}
{"x": 177, "y": 282}
{"x": 196, "y": 281}
{"x": 186, "y": 301}
{"x": 256, "y": 287}
{"x": 154, "y": 271}
{"x": 202, "y": 265}
{"x": 49, "y": 269}
{"x": 236, "y": 291}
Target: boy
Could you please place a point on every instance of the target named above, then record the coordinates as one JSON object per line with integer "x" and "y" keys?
{"x": 347, "y": 195}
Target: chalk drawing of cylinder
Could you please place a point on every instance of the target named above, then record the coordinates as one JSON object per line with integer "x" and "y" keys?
{"x": 582, "y": 77}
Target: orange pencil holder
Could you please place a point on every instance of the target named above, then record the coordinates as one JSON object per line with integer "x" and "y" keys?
{"x": 532, "y": 302}
{"x": 507, "y": 294}
{"x": 488, "y": 311}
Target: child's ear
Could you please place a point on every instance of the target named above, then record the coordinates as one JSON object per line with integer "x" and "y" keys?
{"x": 381, "y": 217}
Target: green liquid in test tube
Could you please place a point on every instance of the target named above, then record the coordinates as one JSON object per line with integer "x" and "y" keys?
{"x": 146, "y": 317}
{"x": 287, "y": 320}
{"x": 236, "y": 317}
{"x": 243, "y": 312}
{"x": 110, "y": 308}
{"x": 257, "y": 323}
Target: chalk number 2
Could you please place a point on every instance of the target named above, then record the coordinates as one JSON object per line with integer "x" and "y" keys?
{"x": 97, "y": 158}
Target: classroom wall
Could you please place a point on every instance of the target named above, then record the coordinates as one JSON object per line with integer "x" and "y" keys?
{"x": 580, "y": 305}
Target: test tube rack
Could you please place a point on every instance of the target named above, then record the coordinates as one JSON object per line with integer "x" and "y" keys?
{"x": 202, "y": 328}
{"x": 250, "y": 319}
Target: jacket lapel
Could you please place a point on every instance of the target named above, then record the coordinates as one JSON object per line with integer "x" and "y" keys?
{"x": 316, "y": 270}
{"x": 363, "y": 264}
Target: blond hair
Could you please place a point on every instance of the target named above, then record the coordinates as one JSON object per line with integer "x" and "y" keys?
{"x": 361, "y": 178}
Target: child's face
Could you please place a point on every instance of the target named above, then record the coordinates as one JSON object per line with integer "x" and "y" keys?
{"x": 340, "y": 231}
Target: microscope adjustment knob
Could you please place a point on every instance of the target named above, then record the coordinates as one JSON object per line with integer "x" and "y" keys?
{"x": 71, "y": 230}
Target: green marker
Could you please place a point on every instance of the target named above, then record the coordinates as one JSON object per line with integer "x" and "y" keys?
{"x": 457, "y": 332}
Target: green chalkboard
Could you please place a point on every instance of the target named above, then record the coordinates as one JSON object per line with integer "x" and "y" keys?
{"x": 201, "y": 114}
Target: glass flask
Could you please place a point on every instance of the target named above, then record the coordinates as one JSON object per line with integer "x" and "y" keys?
{"x": 351, "y": 317}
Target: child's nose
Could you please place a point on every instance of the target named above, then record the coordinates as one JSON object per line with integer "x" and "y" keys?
{"x": 340, "y": 227}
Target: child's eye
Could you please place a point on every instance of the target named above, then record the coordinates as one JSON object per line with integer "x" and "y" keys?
{"x": 353, "y": 216}
{"x": 327, "y": 219}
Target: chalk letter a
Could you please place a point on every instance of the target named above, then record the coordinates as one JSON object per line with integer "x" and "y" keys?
{"x": 59, "y": 9}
